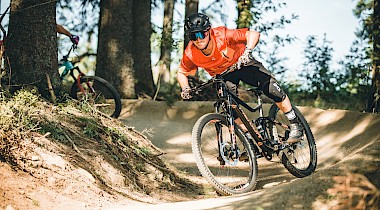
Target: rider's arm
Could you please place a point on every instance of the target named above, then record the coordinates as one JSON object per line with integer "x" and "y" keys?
{"x": 62, "y": 30}
{"x": 253, "y": 38}
{"x": 186, "y": 68}
{"x": 74, "y": 38}
{"x": 182, "y": 80}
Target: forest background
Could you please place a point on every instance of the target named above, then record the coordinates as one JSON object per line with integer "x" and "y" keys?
{"x": 126, "y": 46}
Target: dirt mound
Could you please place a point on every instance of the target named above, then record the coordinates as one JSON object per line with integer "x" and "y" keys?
{"x": 62, "y": 157}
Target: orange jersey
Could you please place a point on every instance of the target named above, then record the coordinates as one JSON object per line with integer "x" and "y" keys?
{"x": 229, "y": 45}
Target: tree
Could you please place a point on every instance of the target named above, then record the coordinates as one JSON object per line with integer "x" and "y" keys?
{"x": 123, "y": 51}
{"x": 249, "y": 16}
{"x": 32, "y": 46}
{"x": 354, "y": 80}
{"x": 245, "y": 18}
{"x": 356, "y": 68}
{"x": 142, "y": 29}
{"x": 191, "y": 7}
{"x": 166, "y": 46}
{"x": 317, "y": 65}
{"x": 368, "y": 11}
{"x": 115, "y": 46}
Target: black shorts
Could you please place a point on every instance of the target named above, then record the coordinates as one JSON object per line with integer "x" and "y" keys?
{"x": 255, "y": 74}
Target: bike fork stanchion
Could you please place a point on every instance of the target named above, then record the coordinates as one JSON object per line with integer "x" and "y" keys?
{"x": 220, "y": 143}
{"x": 79, "y": 84}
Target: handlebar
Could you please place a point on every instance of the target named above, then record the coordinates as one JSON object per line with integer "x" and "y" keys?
{"x": 216, "y": 78}
{"x": 65, "y": 57}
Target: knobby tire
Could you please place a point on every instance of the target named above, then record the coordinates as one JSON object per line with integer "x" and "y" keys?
{"x": 227, "y": 179}
{"x": 297, "y": 163}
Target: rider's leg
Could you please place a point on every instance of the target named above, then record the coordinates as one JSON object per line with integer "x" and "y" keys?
{"x": 296, "y": 131}
{"x": 257, "y": 75}
{"x": 273, "y": 90}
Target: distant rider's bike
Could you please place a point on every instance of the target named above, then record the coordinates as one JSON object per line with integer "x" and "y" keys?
{"x": 95, "y": 90}
{"x": 227, "y": 157}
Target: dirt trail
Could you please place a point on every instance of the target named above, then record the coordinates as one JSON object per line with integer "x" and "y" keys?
{"x": 348, "y": 145}
{"x": 347, "y": 142}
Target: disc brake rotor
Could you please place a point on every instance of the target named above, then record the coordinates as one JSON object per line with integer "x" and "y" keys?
{"x": 228, "y": 154}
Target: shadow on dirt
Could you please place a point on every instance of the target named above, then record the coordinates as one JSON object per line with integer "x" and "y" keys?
{"x": 347, "y": 142}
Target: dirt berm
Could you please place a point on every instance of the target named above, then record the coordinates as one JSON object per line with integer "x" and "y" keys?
{"x": 348, "y": 145}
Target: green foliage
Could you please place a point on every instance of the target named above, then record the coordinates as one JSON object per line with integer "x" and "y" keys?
{"x": 317, "y": 65}
{"x": 246, "y": 19}
{"x": 344, "y": 88}
{"x": 253, "y": 14}
{"x": 16, "y": 120}
{"x": 91, "y": 131}
{"x": 52, "y": 129}
{"x": 18, "y": 112}
{"x": 363, "y": 11}
{"x": 339, "y": 100}
{"x": 356, "y": 67}
{"x": 368, "y": 13}
{"x": 142, "y": 150}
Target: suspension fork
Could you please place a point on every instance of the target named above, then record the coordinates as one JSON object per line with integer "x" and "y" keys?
{"x": 228, "y": 106}
{"x": 231, "y": 124}
{"x": 219, "y": 136}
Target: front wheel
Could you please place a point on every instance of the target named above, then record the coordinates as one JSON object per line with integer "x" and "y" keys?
{"x": 99, "y": 93}
{"x": 231, "y": 170}
{"x": 300, "y": 159}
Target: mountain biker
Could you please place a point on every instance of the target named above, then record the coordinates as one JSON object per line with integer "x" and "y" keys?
{"x": 216, "y": 49}
{"x": 74, "y": 38}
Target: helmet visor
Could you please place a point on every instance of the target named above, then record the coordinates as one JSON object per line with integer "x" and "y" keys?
{"x": 199, "y": 34}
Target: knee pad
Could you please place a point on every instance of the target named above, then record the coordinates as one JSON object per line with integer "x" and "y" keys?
{"x": 273, "y": 90}
{"x": 232, "y": 87}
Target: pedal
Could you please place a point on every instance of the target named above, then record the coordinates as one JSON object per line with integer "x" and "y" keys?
{"x": 243, "y": 157}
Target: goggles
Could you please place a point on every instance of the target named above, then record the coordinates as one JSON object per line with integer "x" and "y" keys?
{"x": 200, "y": 34}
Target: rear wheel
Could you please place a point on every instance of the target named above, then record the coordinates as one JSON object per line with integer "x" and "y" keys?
{"x": 230, "y": 170}
{"x": 300, "y": 159}
{"x": 99, "y": 93}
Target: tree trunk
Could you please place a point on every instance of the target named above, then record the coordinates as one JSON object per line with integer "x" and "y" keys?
{"x": 166, "y": 44}
{"x": 142, "y": 30}
{"x": 115, "y": 46}
{"x": 32, "y": 45}
{"x": 190, "y": 8}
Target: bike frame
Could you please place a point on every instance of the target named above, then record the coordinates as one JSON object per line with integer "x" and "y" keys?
{"x": 69, "y": 69}
{"x": 230, "y": 103}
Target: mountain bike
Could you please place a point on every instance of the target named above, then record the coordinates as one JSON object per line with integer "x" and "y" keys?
{"x": 93, "y": 89}
{"x": 227, "y": 157}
